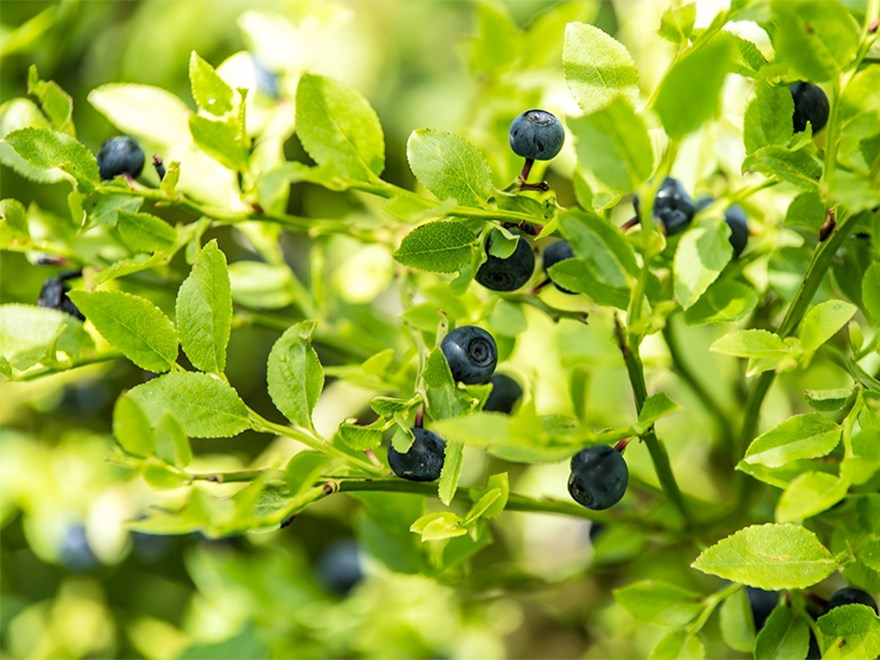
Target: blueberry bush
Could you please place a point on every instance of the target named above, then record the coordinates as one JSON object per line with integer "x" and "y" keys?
{"x": 360, "y": 386}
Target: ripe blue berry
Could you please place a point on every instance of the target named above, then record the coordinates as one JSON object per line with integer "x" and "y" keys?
{"x": 737, "y": 220}
{"x": 53, "y": 295}
{"x": 507, "y": 274}
{"x": 339, "y": 567}
{"x": 599, "y": 477}
{"x": 762, "y": 603}
{"x": 536, "y": 135}
{"x": 851, "y": 595}
{"x": 673, "y": 207}
{"x": 553, "y": 254}
{"x": 810, "y": 105}
{"x": 120, "y": 155}
{"x": 471, "y": 354}
{"x": 423, "y": 461}
{"x": 504, "y": 395}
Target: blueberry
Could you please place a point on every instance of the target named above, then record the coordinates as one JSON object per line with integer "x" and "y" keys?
{"x": 673, "y": 207}
{"x": 471, "y": 354}
{"x": 536, "y": 135}
{"x": 507, "y": 274}
{"x": 120, "y": 155}
{"x": 75, "y": 553}
{"x": 848, "y": 596}
{"x": 339, "y": 567}
{"x": 53, "y": 295}
{"x": 596, "y": 530}
{"x": 553, "y": 254}
{"x": 504, "y": 395}
{"x": 736, "y": 219}
{"x": 762, "y": 603}
{"x": 810, "y": 105}
{"x": 598, "y": 477}
{"x": 813, "y": 652}
{"x": 423, "y": 461}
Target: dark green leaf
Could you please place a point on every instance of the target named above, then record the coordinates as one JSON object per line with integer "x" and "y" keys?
{"x": 768, "y": 117}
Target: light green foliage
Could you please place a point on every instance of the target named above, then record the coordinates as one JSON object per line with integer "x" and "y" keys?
{"x": 30, "y": 335}
{"x": 597, "y": 67}
{"x": 702, "y": 254}
{"x": 294, "y": 374}
{"x": 209, "y": 91}
{"x": 768, "y": 117}
{"x": 338, "y": 128}
{"x": 204, "y": 311}
{"x": 769, "y": 557}
{"x": 47, "y": 150}
{"x": 449, "y": 166}
{"x": 144, "y": 232}
{"x": 134, "y": 325}
{"x": 802, "y": 436}
{"x": 725, "y": 301}
{"x": 206, "y": 406}
{"x": 785, "y": 635}
{"x": 850, "y": 631}
{"x": 679, "y": 644}
{"x": 677, "y": 22}
{"x": 659, "y": 602}
{"x": 440, "y": 247}
{"x": 737, "y": 623}
{"x": 683, "y": 103}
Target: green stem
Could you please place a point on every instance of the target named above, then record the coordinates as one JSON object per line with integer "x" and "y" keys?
{"x": 555, "y": 314}
{"x": 310, "y": 440}
{"x": 69, "y": 365}
{"x": 680, "y": 365}
{"x": 658, "y": 453}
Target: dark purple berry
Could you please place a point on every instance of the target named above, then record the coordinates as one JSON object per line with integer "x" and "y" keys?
{"x": 423, "y": 461}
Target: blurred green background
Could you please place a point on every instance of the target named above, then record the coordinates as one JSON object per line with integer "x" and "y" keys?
{"x": 76, "y": 583}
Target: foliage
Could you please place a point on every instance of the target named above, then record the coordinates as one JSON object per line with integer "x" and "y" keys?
{"x": 264, "y": 313}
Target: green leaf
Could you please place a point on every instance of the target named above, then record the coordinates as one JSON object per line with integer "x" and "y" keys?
{"x": 658, "y": 602}
{"x": 809, "y": 494}
{"x": 260, "y": 285}
{"x": 799, "y": 168}
{"x": 449, "y": 166}
{"x": 597, "y": 68}
{"x": 500, "y": 483}
{"x": 761, "y": 344}
{"x": 871, "y": 292}
{"x": 677, "y": 23}
{"x": 604, "y": 265}
{"x": 440, "y": 389}
{"x": 209, "y": 90}
{"x": 864, "y": 462}
{"x": 56, "y": 104}
{"x": 303, "y": 469}
{"x": 678, "y": 645}
{"x": 784, "y": 635}
{"x": 337, "y": 125}
{"x": 802, "y": 436}
{"x": 702, "y": 253}
{"x": 132, "y": 324}
{"x": 806, "y": 210}
{"x": 143, "y": 232}
{"x": 443, "y": 246}
{"x": 438, "y": 526}
{"x": 131, "y": 428}
{"x": 769, "y": 557}
{"x": 144, "y": 111}
{"x": 220, "y": 140}
{"x": 451, "y": 471}
{"x": 683, "y": 104}
{"x": 725, "y": 301}
{"x": 850, "y": 631}
{"x": 737, "y": 622}
{"x": 172, "y": 445}
{"x": 295, "y": 375}
{"x": 768, "y": 117}
{"x": 613, "y": 144}
{"x": 823, "y": 321}
{"x": 360, "y": 438}
{"x": 47, "y": 150}
{"x": 656, "y": 406}
{"x": 204, "y": 311}
{"x": 28, "y": 332}
{"x": 206, "y": 406}
{"x": 815, "y": 40}
{"x": 830, "y": 400}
